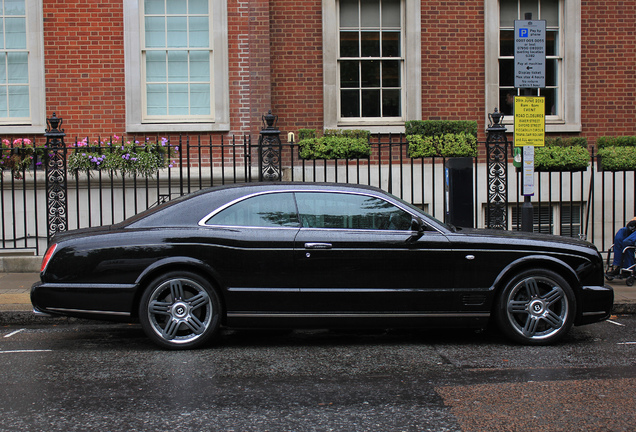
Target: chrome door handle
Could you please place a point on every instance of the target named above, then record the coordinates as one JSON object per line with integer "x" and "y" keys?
{"x": 317, "y": 245}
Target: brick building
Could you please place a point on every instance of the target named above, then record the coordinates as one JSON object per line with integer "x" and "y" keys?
{"x": 216, "y": 66}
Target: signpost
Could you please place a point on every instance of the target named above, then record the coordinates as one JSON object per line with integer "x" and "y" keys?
{"x": 529, "y": 112}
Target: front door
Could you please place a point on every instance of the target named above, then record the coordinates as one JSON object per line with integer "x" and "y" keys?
{"x": 357, "y": 254}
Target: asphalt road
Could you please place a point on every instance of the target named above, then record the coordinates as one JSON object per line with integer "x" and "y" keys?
{"x": 111, "y": 378}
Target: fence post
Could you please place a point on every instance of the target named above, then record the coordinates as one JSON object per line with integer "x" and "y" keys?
{"x": 497, "y": 167}
{"x": 270, "y": 149}
{"x": 56, "y": 200}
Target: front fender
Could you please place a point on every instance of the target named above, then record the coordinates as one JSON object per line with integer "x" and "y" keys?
{"x": 537, "y": 261}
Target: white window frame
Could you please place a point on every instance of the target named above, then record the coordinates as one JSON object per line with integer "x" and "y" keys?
{"x": 220, "y": 117}
{"x": 36, "y": 123}
{"x": 412, "y": 72}
{"x": 569, "y": 119}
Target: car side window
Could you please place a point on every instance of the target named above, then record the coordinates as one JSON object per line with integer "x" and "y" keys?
{"x": 267, "y": 210}
{"x": 350, "y": 211}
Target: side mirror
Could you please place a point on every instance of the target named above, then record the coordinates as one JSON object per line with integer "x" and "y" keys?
{"x": 417, "y": 229}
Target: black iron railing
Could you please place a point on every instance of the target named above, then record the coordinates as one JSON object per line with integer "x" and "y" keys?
{"x": 588, "y": 203}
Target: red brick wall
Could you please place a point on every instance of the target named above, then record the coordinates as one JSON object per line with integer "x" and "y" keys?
{"x": 608, "y": 69}
{"x": 275, "y": 61}
{"x": 84, "y": 61}
{"x": 239, "y": 65}
{"x": 453, "y": 61}
{"x": 297, "y": 79}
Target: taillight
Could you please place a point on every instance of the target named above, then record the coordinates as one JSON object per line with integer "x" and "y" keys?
{"x": 47, "y": 257}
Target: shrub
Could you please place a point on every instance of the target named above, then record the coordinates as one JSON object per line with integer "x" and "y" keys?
{"x": 617, "y": 153}
{"x": 306, "y": 134}
{"x": 617, "y": 158}
{"x": 421, "y": 146}
{"x": 562, "y": 154}
{"x": 458, "y": 145}
{"x": 619, "y": 141}
{"x": 429, "y": 138}
{"x": 335, "y": 144}
{"x": 440, "y": 127}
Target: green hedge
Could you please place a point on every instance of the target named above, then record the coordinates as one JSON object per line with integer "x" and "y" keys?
{"x": 617, "y": 153}
{"x": 440, "y": 127}
{"x": 562, "y": 154}
{"x": 334, "y": 144}
{"x": 447, "y": 145}
{"x": 447, "y": 138}
{"x": 619, "y": 141}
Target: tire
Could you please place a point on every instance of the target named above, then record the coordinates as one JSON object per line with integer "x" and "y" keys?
{"x": 629, "y": 281}
{"x": 180, "y": 310}
{"x": 537, "y": 307}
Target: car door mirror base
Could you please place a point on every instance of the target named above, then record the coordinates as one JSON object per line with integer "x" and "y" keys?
{"x": 417, "y": 230}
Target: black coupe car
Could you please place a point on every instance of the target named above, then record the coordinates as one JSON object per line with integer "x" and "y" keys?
{"x": 300, "y": 255}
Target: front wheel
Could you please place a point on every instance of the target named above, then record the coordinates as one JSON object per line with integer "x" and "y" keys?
{"x": 180, "y": 310}
{"x": 536, "y": 307}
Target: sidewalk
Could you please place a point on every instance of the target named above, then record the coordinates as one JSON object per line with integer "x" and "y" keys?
{"x": 15, "y": 305}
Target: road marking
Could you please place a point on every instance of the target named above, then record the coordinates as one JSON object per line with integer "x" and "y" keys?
{"x": 24, "y": 351}
{"x": 14, "y": 333}
{"x": 627, "y": 343}
{"x": 615, "y": 323}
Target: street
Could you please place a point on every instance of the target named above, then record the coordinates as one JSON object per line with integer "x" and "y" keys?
{"x": 111, "y": 377}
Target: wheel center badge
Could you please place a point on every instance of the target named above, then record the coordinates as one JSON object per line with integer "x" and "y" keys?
{"x": 537, "y": 307}
{"x": 179, "y": 310}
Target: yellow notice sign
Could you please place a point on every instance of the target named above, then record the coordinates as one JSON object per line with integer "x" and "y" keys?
{"x": 529, "y": 121}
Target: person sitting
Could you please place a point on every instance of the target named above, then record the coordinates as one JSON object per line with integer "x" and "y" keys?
{"x": 624, "y": 237}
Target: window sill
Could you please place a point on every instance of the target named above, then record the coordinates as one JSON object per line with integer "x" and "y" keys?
{"x": 24, "y": 130}
{"x": 374, "y": 128}
{"x": 177, "y": 127}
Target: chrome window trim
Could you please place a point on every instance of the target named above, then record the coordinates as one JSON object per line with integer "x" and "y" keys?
{"x": 293, "y": 191}
{"x": 235, "y": 201}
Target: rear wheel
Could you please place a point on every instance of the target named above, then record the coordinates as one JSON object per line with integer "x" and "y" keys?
{"x": 536, "y": 307}
{"x": 180, "y": 310}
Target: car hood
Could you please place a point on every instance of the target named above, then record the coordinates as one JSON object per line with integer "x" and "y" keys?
{"x": 520, "y": 236}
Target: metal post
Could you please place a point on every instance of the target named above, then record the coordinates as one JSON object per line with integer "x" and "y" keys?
{"x": 269, "y": 150}
{"x": 56, "y": 199}
{"x": 497, "y": 166}
{"x": 527, "y": 214}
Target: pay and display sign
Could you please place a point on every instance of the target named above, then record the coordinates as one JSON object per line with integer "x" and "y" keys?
{"x": 530, "y": 54}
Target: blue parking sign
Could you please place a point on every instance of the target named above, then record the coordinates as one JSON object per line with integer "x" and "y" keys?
{"x": 530, "y": 36}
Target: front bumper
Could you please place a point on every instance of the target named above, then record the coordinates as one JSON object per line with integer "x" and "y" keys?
{"x": 595, "y": 304}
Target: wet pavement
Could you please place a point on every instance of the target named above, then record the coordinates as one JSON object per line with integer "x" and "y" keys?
{"x": 111, "y": 377}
